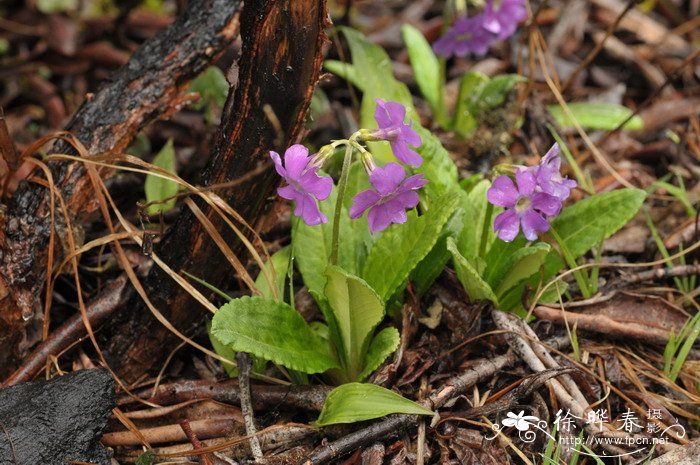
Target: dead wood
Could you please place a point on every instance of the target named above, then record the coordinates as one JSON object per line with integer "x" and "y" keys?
{"x": 283, "y": 45}
{"x": 148, "y": 87}
{"x": 264, "y": 397}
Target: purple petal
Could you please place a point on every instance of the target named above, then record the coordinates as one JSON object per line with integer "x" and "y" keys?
{"x": 551, "y": 158}
{"x": 381, "y": 114}
{"x": 362, "y": 202}
{"x": 278, "y": 164}
{"x": 319, "y": 186}
{"x": 378, "y": 218}
{"x": 502, "y": 192}
{"x": 526, "y": 181}
{"x": 414, "y": 182}
{"x": 403, "y": 201}
{"x": 406, "y": 155}
{"x": 289, "y": 193}
{"x": 507, "y": 225}
{"x": 547, "y": 204}
{"x": 410, "y": 136}
{"x": 307, "y": 208}
{"x": 396, "y": 112}
{"x": 296, "y": 158}
{"x": 532, "y": 223}
{"x": 386, "y": 180}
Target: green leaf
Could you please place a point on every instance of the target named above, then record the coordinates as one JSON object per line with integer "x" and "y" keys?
{"x": 312, "y": 245}
{"x": 438, "y": 167}
{"x": 56, "y": 6}
{"x": 426, "y": 67}
{"x": 225, "y": 351}
{"x": 596, "y": 115}
{"x": 158, "y": 188}
{"x": 345, "y": 71}
{"x": 355, "y": 402}
{"x": 521, "y": 265}
{"x": 361, "y": 240}
{"x": 147, "y": 458}
{"x": 274, "y": 331}
{"x": 383, "y": 344}
{"x": 357, "y": 310}
{"x": 476, "y": 287}
{"x": 276, "y": 268}
{"x": 434, "y": 263}
{"x": 470, "y": 87}
{"x": 212, "y": 88}
{"x": 402, "y": 246}
{"x": 495, "y": 92}
{"x": 587, "y": 222}
{"x": 475, "y": 214}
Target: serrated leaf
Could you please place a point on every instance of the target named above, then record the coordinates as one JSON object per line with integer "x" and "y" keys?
{"x": 468, "y": 276}
{"x": 402, "y": 246}
{"x": 434, "y": 263}
{"x": 382, "y": 346}
{"x": 225, "y": 351}
{"x": 276, "y": 268}
{"x": 346, "y": 71}
{"x": 426, "y": 67}
{"x": 312, "y": 245}
{"x": 274, "y": 331}
{"x": 587, "y": 222}
{"x": 157, "y": 188}
{"x": 438, "y": 167}
{"x": 212, "y": 88}
{"x": 355, "y": 402}
{"x": 357, "y": 310}
{"x": 596, "y": 115}
{"x": 522, "y": 264}
{"x": 476, "y": 211}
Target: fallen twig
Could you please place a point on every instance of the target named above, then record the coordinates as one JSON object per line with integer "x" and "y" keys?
{"x": 244, "y": 364}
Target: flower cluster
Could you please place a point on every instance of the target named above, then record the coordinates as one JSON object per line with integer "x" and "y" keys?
{"x": 534, "y": 198}
{"x": 476, "y": 34}
{"x": 391, "y": 192}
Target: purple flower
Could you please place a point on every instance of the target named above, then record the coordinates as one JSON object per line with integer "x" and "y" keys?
{"x": 467, "y": 35}
{"x": 305, "y": 186}
{"x": 549, "y": 178}
{"x": 390, "y": 117}
{"x": 501, "y": 17}
{"x": 389, "y": 198}
{"x": 525, "y": 207}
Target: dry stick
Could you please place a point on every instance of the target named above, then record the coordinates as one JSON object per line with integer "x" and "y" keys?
{"x": 686, "y": 455}
{"x": 566, "y": 391}
{"x": 662, "y": 273}
{"x": 114, "y": 295}
{"x": 244, "y": 364}
{"x": 147, "y": 88}
{"x": 483, "y": 369}
{"x": 196, "y": 443}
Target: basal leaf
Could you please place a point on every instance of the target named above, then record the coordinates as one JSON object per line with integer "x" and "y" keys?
{"x": 312, "y": 245}
{"x": 475, "y": 214}
{"x": 276, "y": 268}
{"x": 495, "y": 91}
{"x": 438, "y": 167}
{"x": 357, "y": 310}
{"x": 523, "y": 264}
{"x": 476, "y": 287}
{"x": 596, "y": 115}
{"x": 354, "y": 402}
{"x": 225, "y": 351}
{"x": 158, "y": 188}
{"x": 470, "y": 87}
{"x": 426, "y": 67}
{"x": 383, "y": 344}
{"x": 402, "y": 246}
{"x": 274, "y": 331}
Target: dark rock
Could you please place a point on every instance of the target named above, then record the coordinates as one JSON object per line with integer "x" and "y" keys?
{"x": 56, "y": 421}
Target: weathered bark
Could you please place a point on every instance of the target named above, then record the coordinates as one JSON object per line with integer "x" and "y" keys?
{"x": 283, "y": 44}
{"x": 56, "y": 421}
{"x": 149, "y": 86}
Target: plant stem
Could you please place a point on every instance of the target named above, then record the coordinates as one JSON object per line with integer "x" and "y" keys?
{"x": 342, "y": 185}
{"x": 485, "y": 229}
